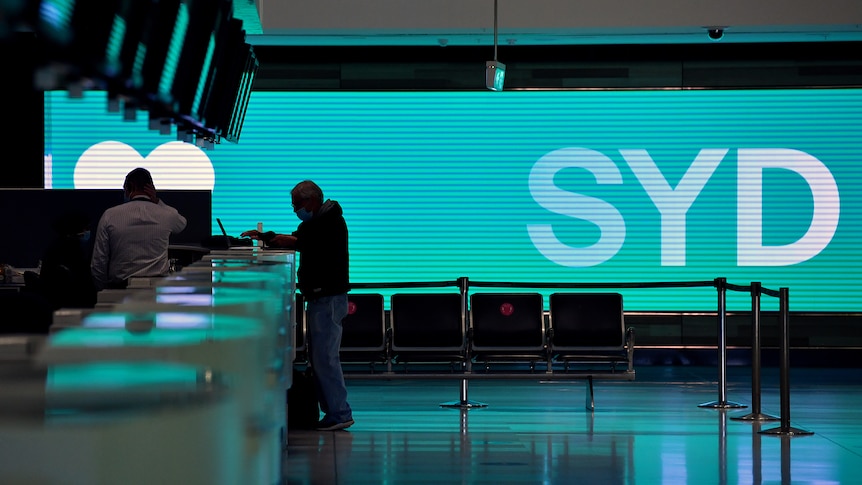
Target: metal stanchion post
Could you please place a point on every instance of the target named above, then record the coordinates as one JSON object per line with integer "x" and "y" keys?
{"x": 464, "y": 402}
{"x": 722, "y": 403}
{"x": 785, "y": 429}
{"x": 466, "y": 367}
{"x": 755, "y": 414}
{"x": 464, "y": 288}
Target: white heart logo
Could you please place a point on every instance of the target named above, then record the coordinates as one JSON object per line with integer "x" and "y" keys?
{"x": 175, "y": 165}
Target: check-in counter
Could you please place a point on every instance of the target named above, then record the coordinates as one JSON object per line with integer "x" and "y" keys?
{"x": 20, "y": 349}
{"x": 253, "y": 253}
{"x": 230, "y": 346}
{"x": 279, "y": 262}
{"x": 251, "y": 277}
{"x": 111, "y": 296}
{"x": 244, "y": 277}
{"x": 71, "y": 317}
{"x": 104, "y": 423}
{"x": 229, "y": 300}
{"x": 226, "y": 300}
{"x": 272, "y": 272}
{"x": 108, "y": 297}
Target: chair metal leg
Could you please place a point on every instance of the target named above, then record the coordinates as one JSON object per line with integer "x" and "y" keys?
{"x": 590, "y": 398}
{"x": 464, "y": 403}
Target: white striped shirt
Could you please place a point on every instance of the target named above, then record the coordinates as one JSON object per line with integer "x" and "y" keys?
{"x": 132, "y": 240}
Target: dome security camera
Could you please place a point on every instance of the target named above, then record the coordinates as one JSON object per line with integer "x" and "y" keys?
{"x": 715, "y": 33}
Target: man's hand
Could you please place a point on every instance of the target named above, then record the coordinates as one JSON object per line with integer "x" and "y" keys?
{"x": 150, "y": 191}
{"x": 283, "y": 241}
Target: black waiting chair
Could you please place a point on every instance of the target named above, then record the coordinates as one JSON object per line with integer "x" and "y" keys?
{"x": 587, "y": 334}
{"x": 428, "y": 328}
{"x": 364, "y": 337}
{"x": 588, "y": 329}
{"x": 507, "y": 327}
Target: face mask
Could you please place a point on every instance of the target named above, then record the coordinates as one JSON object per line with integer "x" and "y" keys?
{"x": 303, "y": 214}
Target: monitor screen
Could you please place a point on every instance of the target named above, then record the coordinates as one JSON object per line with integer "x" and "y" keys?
{"x": 227, "y": 97}
{"x": 197, "y": 58}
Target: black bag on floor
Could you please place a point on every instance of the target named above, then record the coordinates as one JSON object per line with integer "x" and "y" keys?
{"x": 303, "y": 411}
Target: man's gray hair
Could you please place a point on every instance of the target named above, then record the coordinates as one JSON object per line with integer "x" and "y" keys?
{"x": 307, "y": 190}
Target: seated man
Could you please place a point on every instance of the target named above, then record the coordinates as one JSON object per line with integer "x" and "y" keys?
{"x": 132, "y": 238}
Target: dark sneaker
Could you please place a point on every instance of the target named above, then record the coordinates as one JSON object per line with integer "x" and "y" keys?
{"x": 325, "y": 425}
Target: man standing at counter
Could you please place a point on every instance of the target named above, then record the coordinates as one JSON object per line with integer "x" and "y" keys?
{"x": 132, "y": 238}
{"x": 323, "y": 279}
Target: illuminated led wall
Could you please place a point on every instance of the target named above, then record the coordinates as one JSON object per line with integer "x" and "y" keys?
{"x": 573, "y": 186}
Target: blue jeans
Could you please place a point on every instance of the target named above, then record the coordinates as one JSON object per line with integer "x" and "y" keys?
{"x": 324, "y": 343}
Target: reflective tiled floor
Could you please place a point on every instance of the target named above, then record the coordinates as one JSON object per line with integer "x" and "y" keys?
{"x": 650, "y": 431}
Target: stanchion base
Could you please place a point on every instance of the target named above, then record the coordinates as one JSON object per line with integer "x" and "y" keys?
{"x": 789, "y": 431}
{"x": 463, "y": 404}
{"x": 722, "y": 405}
{"x": 755, "y": 417}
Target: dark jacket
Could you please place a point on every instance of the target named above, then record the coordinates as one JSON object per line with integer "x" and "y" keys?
{"x": 323, "y": 254}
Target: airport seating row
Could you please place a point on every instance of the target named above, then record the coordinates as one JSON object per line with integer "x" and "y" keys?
{"x": 483, "y": 334}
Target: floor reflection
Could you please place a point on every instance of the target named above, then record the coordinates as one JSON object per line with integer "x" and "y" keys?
{"x": 651, "y": 431}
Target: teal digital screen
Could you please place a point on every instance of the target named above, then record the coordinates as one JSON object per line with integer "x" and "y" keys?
{"x": 531, "y": 186}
